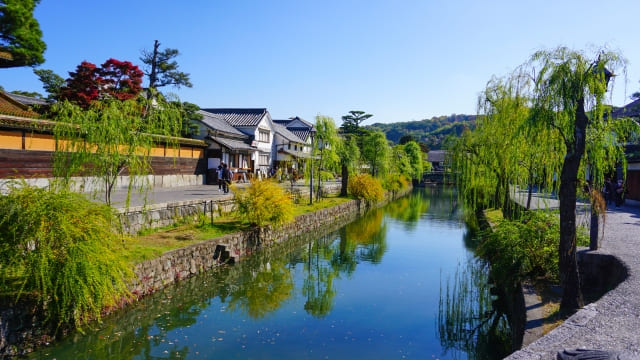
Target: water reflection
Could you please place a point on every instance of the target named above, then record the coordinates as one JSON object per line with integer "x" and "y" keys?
{"x": 367, "y": 290}
{"x": 468, "y": 318}
{"x": 260, "y": 290}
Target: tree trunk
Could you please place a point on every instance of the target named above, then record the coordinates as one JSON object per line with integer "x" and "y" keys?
{"x": 345, "y": 180}
{"x": 594, "y": 228}
{"x": 530, "y": 190}
{"x": 568, "y": 264}
{"x": 153, "y": 76}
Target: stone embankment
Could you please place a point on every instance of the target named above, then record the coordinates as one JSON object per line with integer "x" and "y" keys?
{"x": 184, "y": 262}
{"x": 611, "y": 323}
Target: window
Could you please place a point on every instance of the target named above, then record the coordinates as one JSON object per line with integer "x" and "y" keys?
{"x": 264, "y": 159}
{"x": 263, "y": 135}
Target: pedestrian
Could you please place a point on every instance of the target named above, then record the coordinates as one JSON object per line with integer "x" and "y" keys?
{"x": 220, "y": 176}
{"x": 619, "y": 193}
{"x": 226, "y": 178}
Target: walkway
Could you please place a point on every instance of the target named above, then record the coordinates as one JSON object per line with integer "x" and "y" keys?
{"x": 197, "y": 193}
{"x": 613, "y": 322}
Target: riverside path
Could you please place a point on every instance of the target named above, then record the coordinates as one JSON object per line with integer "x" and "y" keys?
{"x": 612, "y": 323}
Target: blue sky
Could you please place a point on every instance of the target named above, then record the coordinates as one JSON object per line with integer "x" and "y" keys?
{"x": 399, "y": 60}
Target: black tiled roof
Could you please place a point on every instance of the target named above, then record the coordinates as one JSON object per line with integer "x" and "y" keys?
{"x": 301, "y": 120}
{"x": 297, "y": 154}
{"x": 302, "y": 133}
{"x": 232, "y": 144}
{"x": 285, "y": 133}
{"x": 215, "y": 122}
{"x": 630, "y": 110}
{"x": 436, "y": 155}
{"x": 239, "y": 117}
{"x": 28, "y": 100}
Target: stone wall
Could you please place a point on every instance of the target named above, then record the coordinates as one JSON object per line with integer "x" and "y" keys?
{"x": 181, "y": 263}
{"x": 137, "y": 218}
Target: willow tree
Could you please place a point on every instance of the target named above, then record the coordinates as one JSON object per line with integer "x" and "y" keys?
{"x": 327, "y": 143}
{"x": 488, "y": 159}
{"x": 569, "y": 97}
{"x": 112, "y": 138}
{"x": 414, "y": 153}
{"x": 349, "y": 154}
{"x": 376, "y": 152}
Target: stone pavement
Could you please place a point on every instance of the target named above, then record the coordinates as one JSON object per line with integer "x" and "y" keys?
{"x": 612, "y": 322}
{"x": 201, "y": 193}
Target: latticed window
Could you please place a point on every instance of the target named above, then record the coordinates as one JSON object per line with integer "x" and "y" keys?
{"x": 264, "y": 159}
{"x": 263, "y": 135}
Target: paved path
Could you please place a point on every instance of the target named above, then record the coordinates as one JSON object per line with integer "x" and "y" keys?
{"x": 612, "y": 322}
{"x": 194, "y": 193}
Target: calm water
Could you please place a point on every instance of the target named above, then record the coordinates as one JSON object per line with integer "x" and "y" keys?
{"x": 371, "y": 290}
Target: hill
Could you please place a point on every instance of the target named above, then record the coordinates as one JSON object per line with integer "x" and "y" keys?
{"x": 429, "y": 131}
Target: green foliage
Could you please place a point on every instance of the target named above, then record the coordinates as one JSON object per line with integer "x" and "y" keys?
{"x": 351, "y": 122}
{"x": 349, "y": 153}
{"x": 431, "y": 132}
{"x": 32, "y": 94}
{"x": 568, "y": 80}
{"x": 62, "y": 249}
{"x": 327, "y": 143}
{"x": 325, "y": 149}
{"x": 395, "y": 182}
{"x": 414, "y": 153}
{"x": 364, "y": 186}
{"x": 190, "y": 117}
{"x": 400, "y": 162}
{"x": 376, "y": 153}
{"x": 263, "y": 202}
{"x": 110, "y": 137}
{"x": 20, "y": 35}
{"x": 525, "y": 248}
{"x": 504, "y": 150}
{"x": 51, "y": 82}
{"x": 162, "y": 70}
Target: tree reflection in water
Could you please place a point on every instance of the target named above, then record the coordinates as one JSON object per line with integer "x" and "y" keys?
{"x": 261, "y": 290}
{"x": 317, "y": 286}
{"x": 328, "y": 258}
{"x": 468, "y": 321}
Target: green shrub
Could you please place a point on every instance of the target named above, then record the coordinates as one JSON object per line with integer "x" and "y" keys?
{"x": 60, "y": 248}
{"x": 262, "y": 203}
{"x": 526, "y": 248}
{"x": 364, "y": 186}
{"x": 326, "y": 175}
{"x": 396, "y": 182}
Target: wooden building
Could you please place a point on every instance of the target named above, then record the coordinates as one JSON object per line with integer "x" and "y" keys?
{"x": 27, "y": 147}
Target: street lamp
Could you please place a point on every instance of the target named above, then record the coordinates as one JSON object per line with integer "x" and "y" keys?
{"x": 313, "y": 134}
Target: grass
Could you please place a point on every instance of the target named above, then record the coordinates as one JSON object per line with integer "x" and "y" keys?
{"x": 494, "y": 216}
{"x": 327, "y": 202}
{"x": 152, "y": 243}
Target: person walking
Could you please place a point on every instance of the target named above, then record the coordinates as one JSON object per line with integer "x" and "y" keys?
{"x": 226, "y": 178}
{"x": 220, "y": 176}
{"x": 619, "y": 193}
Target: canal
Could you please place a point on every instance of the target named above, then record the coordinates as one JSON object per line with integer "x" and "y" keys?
{"x": 397, "y": 283}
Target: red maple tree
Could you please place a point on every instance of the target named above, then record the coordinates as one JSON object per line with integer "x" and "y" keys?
{"x": 114, "y": 79}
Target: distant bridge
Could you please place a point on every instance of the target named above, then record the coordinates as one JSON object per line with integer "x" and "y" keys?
{"x": 438, "y": 177}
